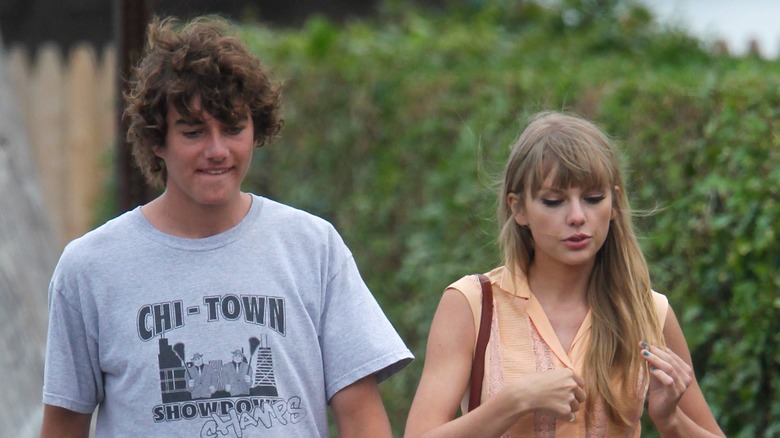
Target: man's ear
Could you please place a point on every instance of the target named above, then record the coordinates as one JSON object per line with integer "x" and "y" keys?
{"x": 516, "y": 205}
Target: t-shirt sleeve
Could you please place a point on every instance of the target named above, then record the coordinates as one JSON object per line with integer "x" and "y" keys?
{"x": 356, "y": 337}
{"x": 72, "y": 378}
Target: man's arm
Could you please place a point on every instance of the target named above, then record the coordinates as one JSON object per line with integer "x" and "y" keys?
{"x": 359, "y": 411}
{"x": 63, "y": 423}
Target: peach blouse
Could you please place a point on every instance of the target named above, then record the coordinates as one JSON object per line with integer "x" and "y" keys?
{"x": 522, "y": 341}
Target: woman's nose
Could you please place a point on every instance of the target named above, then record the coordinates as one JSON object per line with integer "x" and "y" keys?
{"x": 576, "y": 216}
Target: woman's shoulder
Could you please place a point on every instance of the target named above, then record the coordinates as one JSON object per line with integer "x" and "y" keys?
{"x": 661, "y": 305}
{"x": 470, "y": 287}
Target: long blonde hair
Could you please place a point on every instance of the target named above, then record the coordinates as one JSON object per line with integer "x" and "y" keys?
{"x": 619, "y": 292}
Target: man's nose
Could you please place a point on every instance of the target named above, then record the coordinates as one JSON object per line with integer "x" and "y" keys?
{"x": 217, "y": 147}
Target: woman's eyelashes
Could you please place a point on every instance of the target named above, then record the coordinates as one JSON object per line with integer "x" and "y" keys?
{"x": 551, "y": 202}
{"x": 595, "y": 199}
{"x": 554, "y": 202}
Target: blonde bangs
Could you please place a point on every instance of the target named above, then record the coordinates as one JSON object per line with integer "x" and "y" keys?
{"x": 571, "y": 161}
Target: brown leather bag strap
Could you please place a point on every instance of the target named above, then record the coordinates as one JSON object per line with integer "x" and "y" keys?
{"x": 478, "y": 366}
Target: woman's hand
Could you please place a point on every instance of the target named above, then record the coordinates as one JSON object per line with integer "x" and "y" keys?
{"x": 670, "y": 377}
{"x": 559, "y": 392}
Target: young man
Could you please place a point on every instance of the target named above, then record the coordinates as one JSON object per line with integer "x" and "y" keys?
{"x": 270, "y": 294}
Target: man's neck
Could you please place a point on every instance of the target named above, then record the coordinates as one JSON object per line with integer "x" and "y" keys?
{"x": 195, "y": 221}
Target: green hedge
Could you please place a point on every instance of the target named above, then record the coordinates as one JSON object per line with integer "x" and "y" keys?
{"x": 396, "y": 130}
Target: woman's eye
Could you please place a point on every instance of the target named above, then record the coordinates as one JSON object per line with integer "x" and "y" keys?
{"x": 551, "y": 202}
{"x": 594, "y": 199}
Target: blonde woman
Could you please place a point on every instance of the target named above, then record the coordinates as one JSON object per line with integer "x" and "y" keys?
{"x": 578, "y": 340}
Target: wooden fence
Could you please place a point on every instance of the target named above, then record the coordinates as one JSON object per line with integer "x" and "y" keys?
{"x": 68, "y": 107}
{"x": 27, "y": 257}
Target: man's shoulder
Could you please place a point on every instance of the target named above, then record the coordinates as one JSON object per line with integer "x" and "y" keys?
{"x": 105, "y": 237}
{"x": 272, "y": 206}
{"x": 286, "y": 215}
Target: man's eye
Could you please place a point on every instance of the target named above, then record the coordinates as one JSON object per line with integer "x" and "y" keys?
{"x": 234, "y": 130}
{"x": 190, "y": 134}
{"x": 551, "y": 202}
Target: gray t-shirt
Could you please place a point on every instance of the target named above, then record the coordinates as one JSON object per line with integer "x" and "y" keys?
{"x": 246, "y": 333}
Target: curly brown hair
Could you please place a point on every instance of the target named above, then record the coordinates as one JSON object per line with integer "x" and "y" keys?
{"x": 182, "y": 61}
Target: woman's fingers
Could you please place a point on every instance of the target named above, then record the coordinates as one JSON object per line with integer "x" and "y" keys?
{"x": 579, "y": 394}
{"x": 578, "y": 399}
{"x": 575, "y": 407}
{"x": 662, "y": 376}
{"x": 562, "y": 392}
{"x": 682, "y": 370}
{"x": 667, "y": 367}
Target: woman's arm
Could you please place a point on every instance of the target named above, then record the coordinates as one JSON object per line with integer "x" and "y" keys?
{"x": 675, "y": 402}
{"x": 446, "y": 374}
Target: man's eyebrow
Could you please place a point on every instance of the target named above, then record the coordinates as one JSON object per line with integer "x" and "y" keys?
{"x": 190, "y": 123}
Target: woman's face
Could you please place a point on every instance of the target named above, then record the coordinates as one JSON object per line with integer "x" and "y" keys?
{"x": 568, "y": 226}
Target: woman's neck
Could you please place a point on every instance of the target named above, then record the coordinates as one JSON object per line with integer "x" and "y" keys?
{"x": 561, "y": 291}
{"x": 555, "y": 282}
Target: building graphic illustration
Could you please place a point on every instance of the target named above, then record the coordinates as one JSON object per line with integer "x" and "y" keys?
{"x": 174, "y": 372}
{"x": 263, "y": 383}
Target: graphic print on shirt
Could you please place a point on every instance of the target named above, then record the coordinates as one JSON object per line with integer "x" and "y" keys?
{"x": 228, "y": 388}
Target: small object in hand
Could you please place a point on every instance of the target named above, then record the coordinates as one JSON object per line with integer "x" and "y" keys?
{"x": 572, "y": 418}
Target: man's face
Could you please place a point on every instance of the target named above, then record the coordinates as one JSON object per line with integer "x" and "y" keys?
{"x": 237, "y": 358}
{"x": 206, "y": 160}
